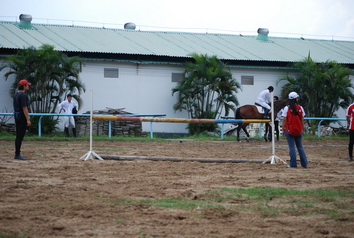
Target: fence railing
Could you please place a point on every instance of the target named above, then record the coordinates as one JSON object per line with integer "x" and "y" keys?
{"x": 84, "y": 115}
{"x": 222, "y": 122}
{"x": 321, "y": 119}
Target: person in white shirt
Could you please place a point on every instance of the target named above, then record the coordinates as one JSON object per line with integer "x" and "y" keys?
{"x": 264, "y": 100}
{"x": 67, "y": 106}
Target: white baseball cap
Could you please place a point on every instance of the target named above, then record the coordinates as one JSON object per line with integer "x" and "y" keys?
{"x": 293, "y": 95}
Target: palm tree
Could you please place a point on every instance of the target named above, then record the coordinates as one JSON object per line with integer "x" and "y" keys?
{"x": 324, "y": 87}
{"x": 207, "y": 89}
{"x": 337, "y": 88}
{"x": 52, "y": 74}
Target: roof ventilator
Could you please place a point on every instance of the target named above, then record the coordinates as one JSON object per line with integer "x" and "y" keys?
{"x": 25, "y": 21}
{"x": 129, "y": 26}
{"x": 262, "y": 34}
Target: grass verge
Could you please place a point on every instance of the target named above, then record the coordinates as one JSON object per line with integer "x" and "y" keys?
{"x": 268, "y": 202}
{"x": 59, "y": 136}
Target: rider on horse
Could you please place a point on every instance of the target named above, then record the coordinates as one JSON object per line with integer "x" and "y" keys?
{"x": 263, "y": 100}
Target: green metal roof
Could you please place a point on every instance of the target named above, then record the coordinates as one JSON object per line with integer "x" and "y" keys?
{"x": 173, "y": 44}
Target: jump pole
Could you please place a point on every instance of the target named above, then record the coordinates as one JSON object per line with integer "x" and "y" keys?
{"x": 273, "y": 159}
{"x": 175, "y": 120}
{"x": 168, "y": 120}
{"x": 91, "y": 154}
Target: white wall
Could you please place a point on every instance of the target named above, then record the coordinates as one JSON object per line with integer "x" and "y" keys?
{"x": 140, "y": 89}
{"x": 146, "y": 89}
{"x": 262, "y": 80}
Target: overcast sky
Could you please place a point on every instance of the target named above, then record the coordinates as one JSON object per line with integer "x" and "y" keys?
{"x": 320, "y": 19}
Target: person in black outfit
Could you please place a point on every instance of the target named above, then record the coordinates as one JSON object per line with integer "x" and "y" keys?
{"x": 22, "y": 118}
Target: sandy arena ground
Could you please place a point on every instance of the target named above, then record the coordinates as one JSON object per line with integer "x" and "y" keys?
{"x": 55, "y": 194}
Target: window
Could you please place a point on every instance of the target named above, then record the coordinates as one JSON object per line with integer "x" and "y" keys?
{"x": 176, "y": 77}
{"x": 111, "y": 72}
{"x": 247, "y": 80}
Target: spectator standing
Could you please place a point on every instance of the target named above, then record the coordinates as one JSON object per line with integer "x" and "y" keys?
{"x": 22, "y": 118}
{"x": 291, "y": 113}
{"x": 350, "y": 123}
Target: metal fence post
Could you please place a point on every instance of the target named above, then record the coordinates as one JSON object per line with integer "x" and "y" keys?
{"x": 151, "y": 133}
{"x": 40, "y": 126}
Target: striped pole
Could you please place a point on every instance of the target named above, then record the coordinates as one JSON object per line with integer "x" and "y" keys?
{"x": 176, "y": 120}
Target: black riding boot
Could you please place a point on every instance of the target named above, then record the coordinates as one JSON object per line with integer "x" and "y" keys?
{"x": 266, "y": 111}
{"x": 66, "y": 131}
{"x": 74, "y": 132}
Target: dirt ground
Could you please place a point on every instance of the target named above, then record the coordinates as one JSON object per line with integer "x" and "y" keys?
{"x": 55, "y": 194}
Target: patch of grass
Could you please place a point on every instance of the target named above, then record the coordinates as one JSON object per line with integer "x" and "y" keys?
{"x": 199, "y": 216}
{"x": 142, "y": 234}
{"x": 269, "y": 211}
{"x": 269, "y": 193}
{"x": 59, "y": 136}
{"x": 14, "y": 234}
{"x": 56, "y": 205}
{"x": 269, "y": 202}
{"x": 243, "y": 194}
{"x": 201, "y": 137}
{"x": 119, "y": 220}
{"x": 332, "y": 137}
{"x": 302, "y": 202}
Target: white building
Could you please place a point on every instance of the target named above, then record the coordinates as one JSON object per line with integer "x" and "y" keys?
{"x": 136, "y": 70}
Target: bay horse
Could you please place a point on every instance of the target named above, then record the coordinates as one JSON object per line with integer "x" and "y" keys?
{"x": 251, "y": 112}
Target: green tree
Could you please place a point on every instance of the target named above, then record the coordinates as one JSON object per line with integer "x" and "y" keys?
{"x": 323, "y": 87}
{"x": 53, "y": 75}
{"x": 206, "y": 91}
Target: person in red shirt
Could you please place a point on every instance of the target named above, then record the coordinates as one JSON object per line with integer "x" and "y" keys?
{"x": 350, "y": 123}
{"x": 294, "y": 141}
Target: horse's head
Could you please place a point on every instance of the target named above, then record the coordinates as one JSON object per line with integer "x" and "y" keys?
{"x": 280, "y": 104}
